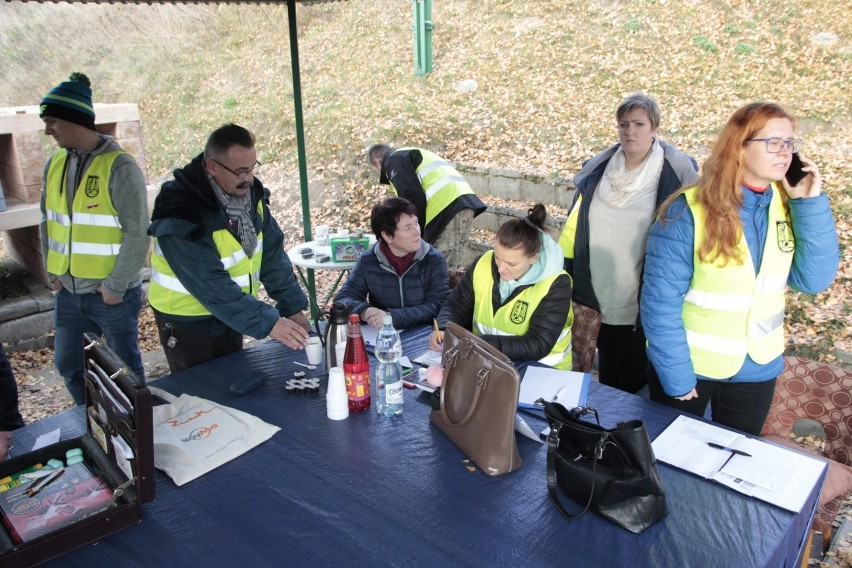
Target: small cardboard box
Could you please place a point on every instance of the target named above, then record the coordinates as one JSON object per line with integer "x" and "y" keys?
{"x": 118, "y": 449}
{"x": 348, "y": 249}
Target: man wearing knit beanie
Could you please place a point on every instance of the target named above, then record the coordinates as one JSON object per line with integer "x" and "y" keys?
{"x": 93, "y": 240}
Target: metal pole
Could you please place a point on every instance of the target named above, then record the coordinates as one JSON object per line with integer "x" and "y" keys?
{"x": 300, "y": 146}
{"x": 422, "y": 27}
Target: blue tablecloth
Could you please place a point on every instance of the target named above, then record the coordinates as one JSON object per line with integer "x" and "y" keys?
{"x": 371, "y": 491}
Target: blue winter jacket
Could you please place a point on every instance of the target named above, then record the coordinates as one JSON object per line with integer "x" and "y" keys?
{"x": 669, "y": 268}
{"x": 411, "y": 299}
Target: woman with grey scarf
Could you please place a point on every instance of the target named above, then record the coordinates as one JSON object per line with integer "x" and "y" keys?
{"x": 618, "y": 193}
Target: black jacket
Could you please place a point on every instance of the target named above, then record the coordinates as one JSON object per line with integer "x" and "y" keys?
{"x": 546, "y": 323}
{"x": 404, "y": 164}
{"x": 678, "y": 170}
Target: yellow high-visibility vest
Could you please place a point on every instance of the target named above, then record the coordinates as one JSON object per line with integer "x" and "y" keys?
{"x": 85, "y": 241}
{"x": 441, "y": 182}
{"x": 569, "y": 232}
{"x": 166, "y": 293}
{"x": 513, "y": 318}
{"x": 729, "y": 311}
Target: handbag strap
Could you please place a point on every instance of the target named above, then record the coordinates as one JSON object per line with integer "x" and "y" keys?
{"x": 481, "y": 381}
{"x": 552, "y": 444}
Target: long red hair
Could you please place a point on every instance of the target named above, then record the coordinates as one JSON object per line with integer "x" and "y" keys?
{"x": 718, "y": 187}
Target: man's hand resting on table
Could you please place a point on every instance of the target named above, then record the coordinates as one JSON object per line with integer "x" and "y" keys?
{"x": 5, "y": 444}
{"x": 290, "y": 333}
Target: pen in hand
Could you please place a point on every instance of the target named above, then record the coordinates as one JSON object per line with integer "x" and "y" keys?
{"x": 727, "y": 449}
{"x": 437, "y": 332}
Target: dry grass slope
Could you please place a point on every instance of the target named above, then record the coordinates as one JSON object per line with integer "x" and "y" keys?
{"x": 549, "y": 74}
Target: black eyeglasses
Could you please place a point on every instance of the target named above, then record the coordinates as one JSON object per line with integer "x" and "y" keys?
{"x": 775, "y": 145}
{"x": 243, "y": 172}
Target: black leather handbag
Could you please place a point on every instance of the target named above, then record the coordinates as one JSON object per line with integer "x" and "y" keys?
{"x": 613, "y": 472}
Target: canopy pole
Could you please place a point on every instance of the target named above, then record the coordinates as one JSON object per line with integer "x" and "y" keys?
{"x": 300, "y": 146}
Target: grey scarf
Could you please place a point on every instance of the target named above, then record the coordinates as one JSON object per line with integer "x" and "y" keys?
{"x": 238, "y": 210}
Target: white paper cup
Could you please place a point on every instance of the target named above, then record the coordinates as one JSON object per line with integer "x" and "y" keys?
{"x": 314, "y": 351}
{"x": 336, "y": 401}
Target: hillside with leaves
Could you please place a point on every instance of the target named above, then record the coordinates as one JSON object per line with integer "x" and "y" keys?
{"x": 541, "y": 82}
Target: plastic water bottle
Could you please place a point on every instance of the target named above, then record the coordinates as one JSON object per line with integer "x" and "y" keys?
{"x": 388, "y": 372}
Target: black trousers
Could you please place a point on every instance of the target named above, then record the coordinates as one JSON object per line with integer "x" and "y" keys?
{"x": 743, "y": 406}
{"x": 187, "y": 345}
{"x": 622, "y": 360}
{"x": 10, "y": 416}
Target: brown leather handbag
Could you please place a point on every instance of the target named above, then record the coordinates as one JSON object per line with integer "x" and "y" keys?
{"x": 476, "y": 404}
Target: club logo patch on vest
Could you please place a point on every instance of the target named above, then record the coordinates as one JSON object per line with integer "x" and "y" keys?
{"x": 93, "y": 186}
{"x": 784, "y": 236}
{"x": 519, "y": 312}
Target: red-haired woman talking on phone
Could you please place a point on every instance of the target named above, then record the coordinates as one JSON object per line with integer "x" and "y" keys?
{"x": 718, "y": 260}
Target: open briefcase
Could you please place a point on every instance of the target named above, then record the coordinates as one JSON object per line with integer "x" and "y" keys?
{"x": 97, "y": 497}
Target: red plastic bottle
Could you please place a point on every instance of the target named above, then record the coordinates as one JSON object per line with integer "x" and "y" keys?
{"x": 356, "y": 367}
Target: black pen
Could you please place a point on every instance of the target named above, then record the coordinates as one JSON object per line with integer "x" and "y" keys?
{"x": 727, "y": 449}
{"x": 44, "y": 482}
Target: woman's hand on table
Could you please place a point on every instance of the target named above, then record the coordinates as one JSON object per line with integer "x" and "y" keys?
{"x": 434, "y": 344}
{"x": 374, "y": 317}
{"x": 290, "y": 333}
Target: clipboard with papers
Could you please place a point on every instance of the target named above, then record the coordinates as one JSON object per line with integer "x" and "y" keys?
{"x": 568, "y": 388}
{"x": 777, "y": 475}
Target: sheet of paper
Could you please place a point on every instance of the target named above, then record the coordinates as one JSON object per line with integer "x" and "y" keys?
{"x": 47, "y": 439}
{"x": 370, "y": 334}
{"x": 429, "y": 358}
{"x": 770, "y": 473}
{"x": 565, "y": 387}
{"x": 521, "y": 427}
{"x": 405, "y": 362}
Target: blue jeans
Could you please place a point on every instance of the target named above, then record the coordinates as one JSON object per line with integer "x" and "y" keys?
{"x": 76, "y": 314}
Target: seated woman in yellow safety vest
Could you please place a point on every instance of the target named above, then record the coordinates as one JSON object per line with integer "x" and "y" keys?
{"x": 517, "y": 297}
{"x": 717, "y": 263}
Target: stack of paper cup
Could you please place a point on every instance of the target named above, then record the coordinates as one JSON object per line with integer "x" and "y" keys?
{"x": 339, "y": 353}
{"x": 336, "y": 401}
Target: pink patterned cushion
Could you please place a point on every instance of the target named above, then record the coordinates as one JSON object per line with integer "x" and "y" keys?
{"x": 810, "y": 389}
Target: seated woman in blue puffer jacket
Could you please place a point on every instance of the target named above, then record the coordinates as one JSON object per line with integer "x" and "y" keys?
{"x": 401, "y": 275}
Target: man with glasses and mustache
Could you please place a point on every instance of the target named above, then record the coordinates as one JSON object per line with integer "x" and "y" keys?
{"x": 216, "y": 242}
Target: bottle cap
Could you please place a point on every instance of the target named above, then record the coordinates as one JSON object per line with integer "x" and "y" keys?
{"x": 387, "y": 320}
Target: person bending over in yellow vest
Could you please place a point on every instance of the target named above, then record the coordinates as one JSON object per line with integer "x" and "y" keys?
{"x": 216, "y": 242}
{"x": 94, "y": 214}
{"x": 445, "y": 203}
{"x": 517, "y": 297}
{"x": 717, "y": 262}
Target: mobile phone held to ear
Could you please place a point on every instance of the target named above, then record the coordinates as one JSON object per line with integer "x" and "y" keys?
{"x": 794, "y": 173}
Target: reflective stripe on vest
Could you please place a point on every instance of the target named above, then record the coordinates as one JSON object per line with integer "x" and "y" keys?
{"x": 85, "y": 241}
{"x": 569, "y": 232}
{"x": 168, "y": 295}
{"x": 441, "y": 182}
{"x": 513, "y": 318}
{"x": 728, "y": 311}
